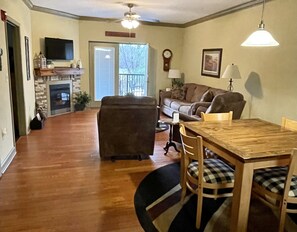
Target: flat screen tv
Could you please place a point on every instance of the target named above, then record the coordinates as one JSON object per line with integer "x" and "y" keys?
{"x": 58, "y": 49}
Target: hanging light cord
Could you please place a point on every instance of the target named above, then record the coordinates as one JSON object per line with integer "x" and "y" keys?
{"x": 262, "y": 25}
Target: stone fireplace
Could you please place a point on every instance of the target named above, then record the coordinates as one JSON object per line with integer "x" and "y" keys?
{"x": 55, "y": 94}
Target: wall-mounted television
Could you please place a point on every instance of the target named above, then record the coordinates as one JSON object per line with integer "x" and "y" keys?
{"x": 58, "y": 49}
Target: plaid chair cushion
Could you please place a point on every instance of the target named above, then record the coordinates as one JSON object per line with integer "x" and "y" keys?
{"x": 215, "y": 171}
{"x": 209, "y": 153}
{"x": 273, "y": 179}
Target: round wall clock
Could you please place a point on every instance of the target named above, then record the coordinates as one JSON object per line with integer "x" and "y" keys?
{"x": 167, "y": 55}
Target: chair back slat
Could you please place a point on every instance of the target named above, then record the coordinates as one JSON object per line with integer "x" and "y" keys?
{"x": 192, "y": 146}
{"x": 289, "y": 124}
{"x": 217, "y": 116}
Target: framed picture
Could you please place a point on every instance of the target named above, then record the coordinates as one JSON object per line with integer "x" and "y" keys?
{"x": 211, "y": 62}
{"x": 27, "y": 57}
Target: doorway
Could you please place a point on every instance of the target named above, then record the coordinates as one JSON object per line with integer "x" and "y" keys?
{"x": 118, "y": 69}
{"x": 16, "y": 78}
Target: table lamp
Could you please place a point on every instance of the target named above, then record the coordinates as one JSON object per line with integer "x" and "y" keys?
{"x": 231, "y": 72}
{"x": 174, "y": 74}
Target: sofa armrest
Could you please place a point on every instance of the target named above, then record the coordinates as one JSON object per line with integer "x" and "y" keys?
{"x": 164, "y": 94}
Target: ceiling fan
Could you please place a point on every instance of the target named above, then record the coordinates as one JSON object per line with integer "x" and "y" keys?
{"x": 131, "y": 19}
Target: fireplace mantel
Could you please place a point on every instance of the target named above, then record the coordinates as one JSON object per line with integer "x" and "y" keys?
{"x": 59, "y": 71}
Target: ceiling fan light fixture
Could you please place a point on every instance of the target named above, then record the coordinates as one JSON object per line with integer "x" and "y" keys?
{"x": 130, "y": 23}
{"x": 130, "y": 20}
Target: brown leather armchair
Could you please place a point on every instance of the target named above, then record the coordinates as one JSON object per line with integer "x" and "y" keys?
{"x": 126, "y": 126}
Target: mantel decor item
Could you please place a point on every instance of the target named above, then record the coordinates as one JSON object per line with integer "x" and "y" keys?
{"x": 261, "y": 37}
{"x": 211, "y": 62}
{"x": 231, "y": 72}
{"x": 82, "y": 99}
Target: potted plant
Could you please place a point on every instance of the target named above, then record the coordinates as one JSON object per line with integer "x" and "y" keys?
{"x": 82, "y": 99}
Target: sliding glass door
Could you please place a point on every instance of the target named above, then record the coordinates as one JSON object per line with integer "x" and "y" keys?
{"x": 119, "y": 69}
{"x": 103, "y": 71}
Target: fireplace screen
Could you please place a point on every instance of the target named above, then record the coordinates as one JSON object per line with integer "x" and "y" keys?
{"x": 60, "y": 98}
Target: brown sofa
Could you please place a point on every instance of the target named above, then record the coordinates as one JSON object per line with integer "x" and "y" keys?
{"x": 195, "y": 98}
{"x": 126, "y": 126}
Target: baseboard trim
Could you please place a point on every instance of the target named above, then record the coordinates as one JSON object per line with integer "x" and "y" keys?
{"x": 8, "y": 160}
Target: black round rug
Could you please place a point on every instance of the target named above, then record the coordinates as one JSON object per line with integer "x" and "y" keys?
{"x": 158, "y": 208}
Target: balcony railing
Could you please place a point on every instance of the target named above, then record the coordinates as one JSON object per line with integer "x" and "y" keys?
{"x": 132, "y": 83}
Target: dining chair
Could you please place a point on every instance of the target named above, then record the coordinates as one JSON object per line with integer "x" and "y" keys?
{"x": 277, "y": 187}
{"x": 215, "y": 117}
{"x": 289, "y": 123}
{"x": 200, "y": 174}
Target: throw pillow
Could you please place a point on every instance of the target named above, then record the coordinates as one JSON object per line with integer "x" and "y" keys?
{"x": 207, "y": 96}
{"x": 178, "y": 94}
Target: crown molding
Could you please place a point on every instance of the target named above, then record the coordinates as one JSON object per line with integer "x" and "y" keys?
{"x": 111, "y": 20}
{"x": 28, "y": 3}
{"x": 49, "y": 11}
{"x": 225, "y": 12}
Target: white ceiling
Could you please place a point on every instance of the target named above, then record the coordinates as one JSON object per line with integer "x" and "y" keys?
{"x": 166, "y": 11}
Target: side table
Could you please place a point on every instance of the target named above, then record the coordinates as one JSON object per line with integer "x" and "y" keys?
{"x": 170, "y": 143}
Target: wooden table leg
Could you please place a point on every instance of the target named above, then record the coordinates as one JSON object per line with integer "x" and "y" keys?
{"x": 241, "y": 196}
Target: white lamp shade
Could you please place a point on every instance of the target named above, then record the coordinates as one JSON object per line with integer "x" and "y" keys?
{"x": 260, "y": 38}
{"x": 232, "y": 72}
{"x": 174, "y": 73}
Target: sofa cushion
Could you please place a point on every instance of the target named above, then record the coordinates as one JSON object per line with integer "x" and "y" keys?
{"x": 176, "y": 104}
{"x": 178, "y": 94}
{"x": 199, "y": 91}
{"x": 167, "y": 101}
{"x": 190, "y": 89}
{"x": 207, "y": 96}
{"x": 186, "y": 109}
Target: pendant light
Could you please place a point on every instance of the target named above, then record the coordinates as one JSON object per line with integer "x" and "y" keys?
{"x": 261, "y": 37}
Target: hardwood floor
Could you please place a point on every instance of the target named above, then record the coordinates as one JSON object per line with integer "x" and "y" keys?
{"x": 57, "y": 181}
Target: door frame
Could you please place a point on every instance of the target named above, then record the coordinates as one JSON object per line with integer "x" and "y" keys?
{"x": 18, "y": 77}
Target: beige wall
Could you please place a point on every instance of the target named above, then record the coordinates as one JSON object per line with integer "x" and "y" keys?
{"x": 159, "y": 38}
{"x": 269, "y": 81}
{"x": 48, "y": 25}
{"x": 18, "y": 12}
{"x": 83, "y": 31}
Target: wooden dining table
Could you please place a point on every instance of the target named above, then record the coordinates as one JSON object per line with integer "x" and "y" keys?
{"x": 247, "y": 144}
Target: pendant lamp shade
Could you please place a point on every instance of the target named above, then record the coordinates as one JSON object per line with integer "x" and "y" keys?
{"x": 261, "y": 37}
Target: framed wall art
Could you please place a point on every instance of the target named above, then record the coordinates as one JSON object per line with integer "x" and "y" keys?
{"x": 211, "y": 62}
{"x": 27, "y": 57}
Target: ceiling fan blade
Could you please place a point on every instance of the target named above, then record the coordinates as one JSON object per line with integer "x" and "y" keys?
{"x": 149, "y": 20}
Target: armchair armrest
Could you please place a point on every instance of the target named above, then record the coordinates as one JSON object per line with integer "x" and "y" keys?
{"x": 196, "y": 105}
